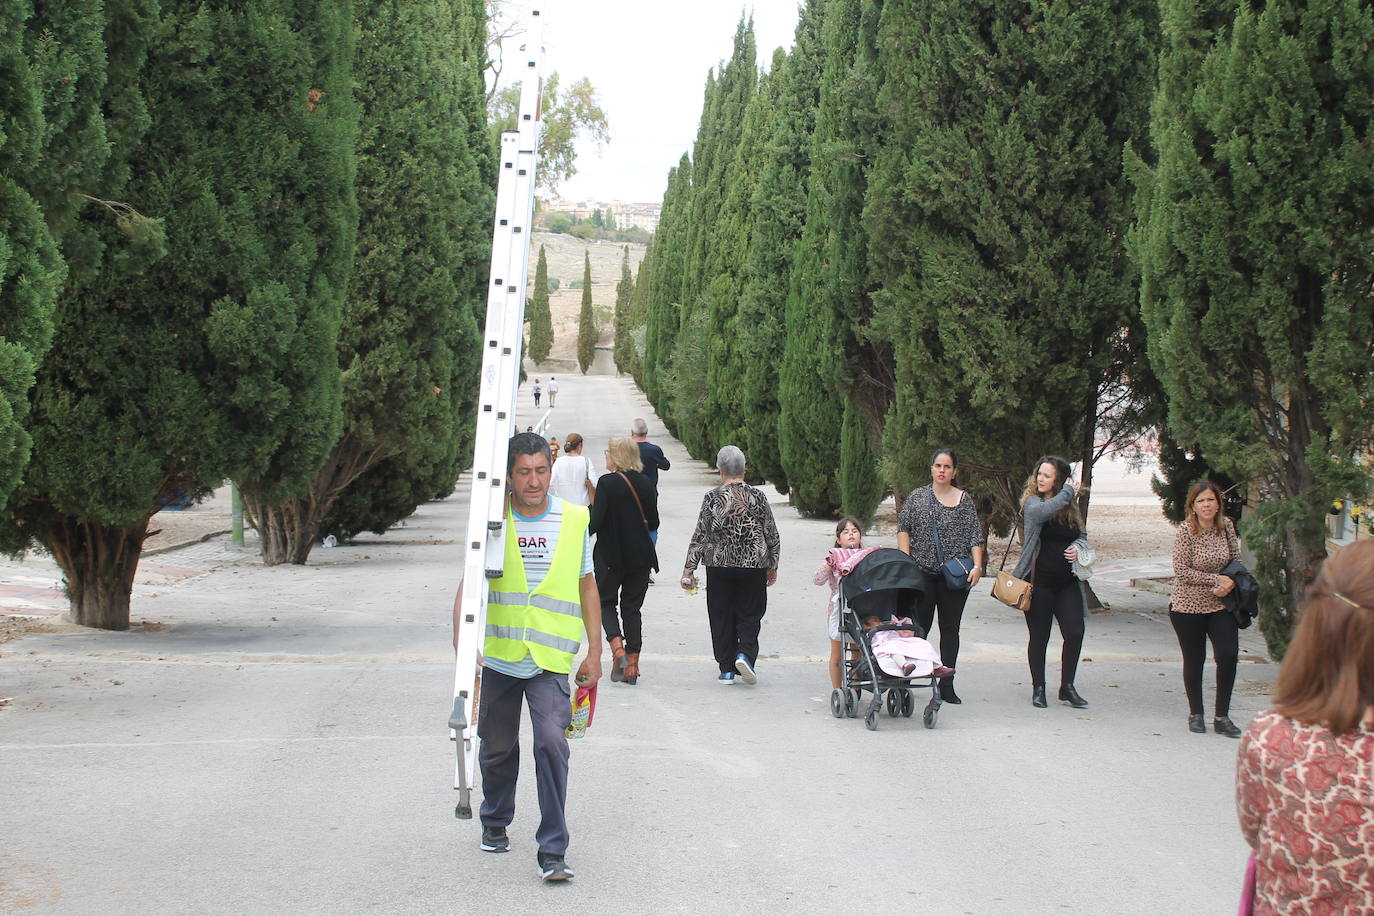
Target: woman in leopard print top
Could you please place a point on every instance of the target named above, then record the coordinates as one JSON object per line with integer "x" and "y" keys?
{"x": 738, "y": 540}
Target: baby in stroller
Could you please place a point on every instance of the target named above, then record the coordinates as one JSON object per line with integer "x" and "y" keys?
{"x": 901, "y": 653}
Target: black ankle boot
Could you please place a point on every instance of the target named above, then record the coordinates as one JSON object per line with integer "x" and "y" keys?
{"x": 947, "y": 691}
{"x": 1068, "y": 695}
{"x": 1196, "y": 725}
{"x": 1038, "y": 697}
{"x": 1224, "y": 726}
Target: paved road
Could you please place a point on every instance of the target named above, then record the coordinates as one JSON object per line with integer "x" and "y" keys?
{"x": 279, "y": 746}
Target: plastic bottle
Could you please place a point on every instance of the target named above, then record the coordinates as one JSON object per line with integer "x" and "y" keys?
{"x": 583, "y": 707}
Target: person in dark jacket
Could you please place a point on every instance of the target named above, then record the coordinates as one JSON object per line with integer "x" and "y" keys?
{"x": 625, "y": 512}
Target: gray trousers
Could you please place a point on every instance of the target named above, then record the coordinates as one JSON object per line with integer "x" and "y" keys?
{"x": 498, "y": 725}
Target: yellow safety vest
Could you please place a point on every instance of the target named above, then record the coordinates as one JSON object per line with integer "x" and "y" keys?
{"x": 545, "y": 623}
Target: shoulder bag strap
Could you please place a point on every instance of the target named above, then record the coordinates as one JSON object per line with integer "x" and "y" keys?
{"x": 1006, "y": 553}
{"x": 642, "y": 517}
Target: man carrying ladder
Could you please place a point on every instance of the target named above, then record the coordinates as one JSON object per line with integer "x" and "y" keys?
{"x": 536, "y": 613}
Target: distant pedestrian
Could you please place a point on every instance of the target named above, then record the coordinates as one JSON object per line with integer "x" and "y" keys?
{"x": 553, "y": 392}
{"x": 737, "y": 539}
{"x": 573, "y": 474}
{"x": 554, "y": 448}
{"x": 537, "y": 613}
{"x": 943, "y": 507}
{"x": 1306, "y": 766}
{"x": 1051, "y": 523}
{"x": 536, "y": 394}
{"x": 1206, "y": 544}
{"x": 651, "y": 456}
{"x": 626, "y": 509}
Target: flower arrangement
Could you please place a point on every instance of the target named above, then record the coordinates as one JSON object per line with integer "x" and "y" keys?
{"x": 1363, "y": 515}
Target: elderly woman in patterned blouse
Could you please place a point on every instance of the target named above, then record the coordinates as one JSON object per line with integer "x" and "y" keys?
{"x": 1206, "y": 544}
{"x": 1306, "y": 767}
{"x": 941, "y": 504}
{"x": 737, "y": 539}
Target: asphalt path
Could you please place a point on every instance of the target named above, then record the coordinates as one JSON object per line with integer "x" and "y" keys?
{"x": 276, "y": 743}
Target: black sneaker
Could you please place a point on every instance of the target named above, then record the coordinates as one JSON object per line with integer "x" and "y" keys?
{"x": 494, "y": 839}
{"x": 553, "y": 868}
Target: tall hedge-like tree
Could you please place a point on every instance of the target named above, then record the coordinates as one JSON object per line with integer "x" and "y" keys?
{"x": 624, "y": 293}
{"x": 53, "y": 149}
{"x": 780, "y": 208}
{"x": 586, "y": 321}
{"x": 408, "y": 347}
{"x": 996, "y": 213}
{"x": 1255, "y": 264}
{"x": 538, "y": 314}
{"x": 665, "y": 289}
{"x": 219, "y": 359}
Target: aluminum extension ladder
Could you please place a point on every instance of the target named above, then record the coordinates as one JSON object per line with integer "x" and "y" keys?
{"x": 503, "y": 339}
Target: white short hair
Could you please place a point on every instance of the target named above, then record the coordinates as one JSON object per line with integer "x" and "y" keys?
{"x": 639, "y": 427}
{"x": 730, "y": 461}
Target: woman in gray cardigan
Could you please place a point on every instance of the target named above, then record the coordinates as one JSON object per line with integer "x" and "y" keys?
{"x": 1052, "y": 524}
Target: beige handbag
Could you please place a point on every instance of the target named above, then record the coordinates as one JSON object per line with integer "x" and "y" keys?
{"x": 1008, "y": 589}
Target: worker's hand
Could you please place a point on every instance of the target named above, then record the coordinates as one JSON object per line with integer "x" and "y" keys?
{"x": 589, "y": 672}
{"x": 772, "y": 576}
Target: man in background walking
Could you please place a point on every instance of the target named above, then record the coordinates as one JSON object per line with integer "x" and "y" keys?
{"x": 553, "y": 392}
{"x": 653, "y": 458}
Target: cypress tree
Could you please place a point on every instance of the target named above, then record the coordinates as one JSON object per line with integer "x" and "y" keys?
{"x": 665, "y": 290}
{"x": 780, "y": 207}
{"x": 217, "y": 360}
{"x": 408, "y": 347}
{"x": 996, "y": 211}
{"x": 639, "y": 313}
{"x": 1254, "y": 264}
{"x": 586, "y": 321}
{"x": 538, "y": 313}
{"x": 812, "y": 376}
{"x": 54, "y": 154}
{"x": 624, "y": 293}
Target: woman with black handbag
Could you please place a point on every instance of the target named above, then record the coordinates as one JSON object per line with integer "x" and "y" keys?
{"x": 938, "y": 527}
{"x": 1205, "y": 546}
{"x": 1051, "y": 524}
{"x": 625, "y": 511}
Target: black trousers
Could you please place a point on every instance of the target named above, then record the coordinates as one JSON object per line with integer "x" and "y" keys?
{"x": 1049, "y": 603}
{"x": 626, "y": 587}
{"x": 1193, "y": 632}
{"x": 736, "y": 600}
{"x": 949, "y": 602}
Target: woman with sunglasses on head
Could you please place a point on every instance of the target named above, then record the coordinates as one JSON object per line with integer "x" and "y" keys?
{"x": 1051, "y": 524}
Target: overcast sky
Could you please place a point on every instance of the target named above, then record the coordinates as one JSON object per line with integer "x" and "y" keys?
{"x": 648, "y": 59}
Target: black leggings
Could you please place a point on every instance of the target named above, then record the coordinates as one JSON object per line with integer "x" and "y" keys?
{"x": 629, "y": 586}
{"x": 1048, "y": 604}
{"x": 950, "y": 604}
{"x": 1193, "y": 632}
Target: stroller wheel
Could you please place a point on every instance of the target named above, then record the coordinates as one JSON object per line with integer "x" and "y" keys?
{"x": 893, "y": 703}
{"x": 871, "y": 719}
{"x": 908, "y": 704}
{"x": 837, "y": 703}
{"x": 929, "y": 716}
{"x": 851, "y": 702}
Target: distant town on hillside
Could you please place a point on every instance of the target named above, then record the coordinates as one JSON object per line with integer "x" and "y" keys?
{"x": 618, "y": 214}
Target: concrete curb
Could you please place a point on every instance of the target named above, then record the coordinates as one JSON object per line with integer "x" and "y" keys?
{"x": 191, "y": 543}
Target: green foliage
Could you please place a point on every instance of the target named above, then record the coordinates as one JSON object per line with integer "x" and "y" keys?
{"x": 1253, "y": 210}
{"x": 538, "y": 314}
{"x": 567, "y": 117}
{"x": 218, "y": 359}
{"x": 560, "y": 222}
{"x": 624, "y": 292}
{"x": 587, "y": 331}
{"x": 1179, "y": 469}
{"x": 409, "y": 347}
{"x": 779, "y": 205}
{"x": 996, "y": 211}
{"x": 52, "y": 149}
{"x": 861, "y": 483}
{"x": 665, "y": 292}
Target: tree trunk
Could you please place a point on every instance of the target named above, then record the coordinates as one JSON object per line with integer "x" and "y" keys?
{"x": 99, "y": 562}
{"x": 289, "y": 530}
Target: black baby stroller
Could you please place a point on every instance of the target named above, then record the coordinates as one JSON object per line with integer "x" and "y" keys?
{"x": 886, "y": 583}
